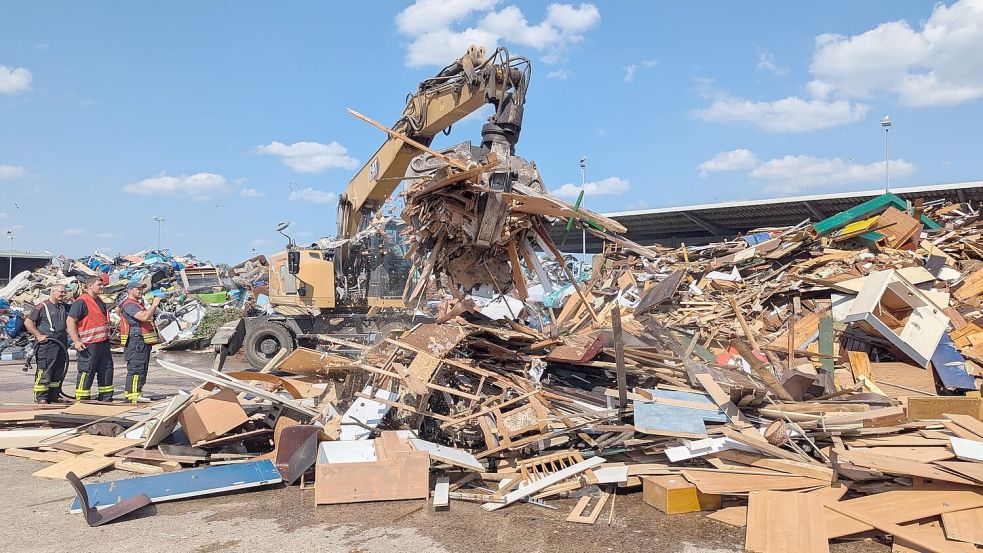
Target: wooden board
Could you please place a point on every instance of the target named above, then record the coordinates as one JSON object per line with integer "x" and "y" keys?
{"x": 785, "y": 522}
{"x": 900, "y": 506}
{"x": 101, "y": 445}
{"x": 967, "y": 469}
{"x": 309, "y": 362}
{"x": 82, "y": 465}
{"x": 46, "y": 456}
{"x": 938, "y": 407}
{"x": 99, "y": 409}
{"x": 719, "y": 482}
{"x": 735, "y": 516}
{"x": 31, "y": 438}
{"x": 860, "y": 365}
{"x": 964, "y": 526}
{"x": 916, "y": 454}
{"x": 968, "y": 423}
{"x": 577, "y": 514}
{"x": 894, "y": 465}
{"x": 448, "y": 455}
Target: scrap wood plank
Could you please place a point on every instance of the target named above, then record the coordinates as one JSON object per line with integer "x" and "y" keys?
{"x": 543, "y": 483}
{"x": 964, "y": 526}
{"x": 971, "y": 424}
{"x": 905, "y": 534}
{"x": 761, "y": 370}
{"x": 899, "y": 506}
{"x": 82, "y": 465}
{"x": 782, "y": 465}
{"x": 441, "y": 494}
{"x": 448, "y": 455}
{"x": 860, "y": 365}
{"x": 915, "y": 454}
{"x": 182, "y": 484}
{"x": 31, "y": 438}
{"x": 735, "y": 516}
{"x": 894, "y": 465}
{"x": 785, "y": 522}
{"x": 46, "y": 456}
{"x": 721, "y": 398}
{"x": 724, "y": 483}
{"x": 577, "y": 514}
{"x": 933, "y": 528}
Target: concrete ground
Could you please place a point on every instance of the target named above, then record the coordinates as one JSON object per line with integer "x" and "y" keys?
{"x": 35, "y": 513}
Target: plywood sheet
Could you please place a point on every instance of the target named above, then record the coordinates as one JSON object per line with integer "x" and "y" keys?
{"x": 719, "y": 482}
{"x": 900, "y": 506}
{"x": 785, "y": 522}
{"x": 964, "y": 526}
{"x": 82, "y": 465}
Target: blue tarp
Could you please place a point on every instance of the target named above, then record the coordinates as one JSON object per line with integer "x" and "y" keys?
{"x": 950, "y": 365}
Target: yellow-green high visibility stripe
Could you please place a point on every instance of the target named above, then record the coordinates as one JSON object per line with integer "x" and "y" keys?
{"x": 80, "y": 390}
{"x": 38, "y": 387}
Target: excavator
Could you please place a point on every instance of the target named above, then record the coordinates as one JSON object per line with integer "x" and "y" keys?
{"x": 356, "y": 279}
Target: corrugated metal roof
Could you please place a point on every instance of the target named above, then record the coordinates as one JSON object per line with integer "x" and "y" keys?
{"x": 702, "y": 223}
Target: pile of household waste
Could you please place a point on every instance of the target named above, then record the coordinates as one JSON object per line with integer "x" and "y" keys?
{"x": 814, "y": 383}
{"x": 197, "y": 297}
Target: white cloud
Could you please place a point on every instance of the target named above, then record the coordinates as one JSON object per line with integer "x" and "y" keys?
{"x": 766, "y": 62}
{"x": 311, "y": 157}
{"x": 630, "y": 71}
{"x": 106, "y": 235}
{"x": 560, "y": 74}
{"x": 732, "y": 160}
{"x": 792, "y": 114}
{"x": 72, "y": 232}
{"x": 939, "y": 64}
{"x": 199, "y": 186}
{"x": 796, "y": 173}
{"x": 11, "y": 171}
{"x": 251, "y": 193}
{"x": 313, "y": 196}
{"x": 605, "y": 187}
{"x": 14, "y": 79}
{"x": 437, "y": 36}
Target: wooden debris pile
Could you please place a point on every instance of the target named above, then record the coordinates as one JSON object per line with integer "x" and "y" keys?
{"x": 479, "y": 222}
{"x": 812, "y": 384}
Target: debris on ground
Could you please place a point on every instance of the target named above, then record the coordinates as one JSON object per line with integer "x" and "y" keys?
{"x": 197, "y": 296}
{"x": 814, "y": 383}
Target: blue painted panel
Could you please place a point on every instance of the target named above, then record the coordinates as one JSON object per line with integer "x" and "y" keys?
{"x": 950, "y": 365}
{"x": 183, "y": 483}
{"x": 655, "y": 417}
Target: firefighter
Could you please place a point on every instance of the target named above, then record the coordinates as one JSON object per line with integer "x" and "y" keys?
{"x": 48, "y": 325}
{"x": 88, "y": 326}
{"x": 137, "y": 332}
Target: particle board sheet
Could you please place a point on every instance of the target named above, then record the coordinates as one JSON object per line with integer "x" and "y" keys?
{"x": 929, "y": 532}
{"x": 964, "y": 526}
{"x": 969, "y": 423}
{"x": 970, "y": 470}
{"x": 721, "y": 482}
{"x": 309, "y": 362}
{"x": 182, "y": 484}
{"x": 98, "y": 410}
{"x": 901, "y": 379}
{"x": 101, "y": 445}
{"x": 785, "y": 522}
{"x": 900, "y": 506}
{"x": 896, "y": 466}
{"x": 82, "y": 465}
{"x": 30, "y": 438}
{"x": 735, "y": 516}
{"x": 916, "y": 454}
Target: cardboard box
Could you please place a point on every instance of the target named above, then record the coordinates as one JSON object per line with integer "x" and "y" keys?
{"x": 212, "y": 417}
{"x": 674, "y": 494}
{"x": 383, "y": 469}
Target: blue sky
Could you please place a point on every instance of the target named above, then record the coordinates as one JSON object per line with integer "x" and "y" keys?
{"x": 229, "y": 117}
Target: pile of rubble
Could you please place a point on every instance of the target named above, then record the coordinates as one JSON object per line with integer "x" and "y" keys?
{"x": 813, "y": 383}
{"x": 197, "y": 296}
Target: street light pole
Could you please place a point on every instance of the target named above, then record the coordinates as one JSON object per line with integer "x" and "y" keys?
{"x": 583, "y": 229}
{"x": 886, "y": 123}
{"x": 10, "y": 257}
{"x": 159, "y": 221}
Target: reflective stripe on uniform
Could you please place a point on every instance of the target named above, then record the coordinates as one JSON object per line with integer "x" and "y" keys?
{"x": 133, "y": 393}
{"x": 104, "y": 389}
{"x": 38, "y": 387}
{"x": 54, "y": 385}
{"x": 80, "y": 390}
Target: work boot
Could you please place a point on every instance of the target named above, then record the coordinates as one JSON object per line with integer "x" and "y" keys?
{"x": 54, "y": 396}
{"x": 106, "y": 397}
{"x": 41, "y": 399}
